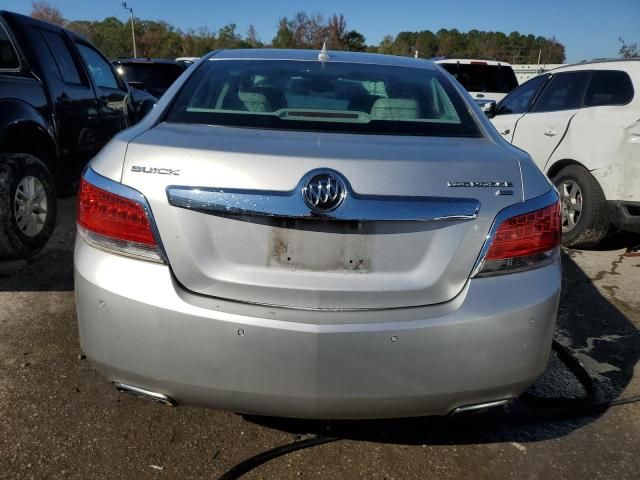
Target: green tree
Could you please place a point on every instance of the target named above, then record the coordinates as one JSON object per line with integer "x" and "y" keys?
{"x": 336, "y": 32}
{"x": 404, "y": 43}
{"x": 112, "y": 37}
{"x": 252, "y": 39}
{"x": 163, "y": 40}
{"x": 386, "y": 45}
{"x": 284, "y": 36}
{"x": 355, "y": 41}
{"x": 228, "y": 37}
{"x": 514, "y": 48}
{"x": 426, "y": 44}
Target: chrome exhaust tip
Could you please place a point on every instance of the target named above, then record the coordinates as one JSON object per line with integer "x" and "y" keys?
{"x": 146, "y": 394}
{"x": 480, "y": 407}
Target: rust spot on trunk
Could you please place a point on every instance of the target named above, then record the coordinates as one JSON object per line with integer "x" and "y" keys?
{"x": 315, "y": 251}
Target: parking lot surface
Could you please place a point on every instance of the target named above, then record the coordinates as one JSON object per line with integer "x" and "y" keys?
{"x": 60, "y": 419}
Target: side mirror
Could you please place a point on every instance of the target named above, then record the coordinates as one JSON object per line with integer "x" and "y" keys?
{"x": 489, "y": 109}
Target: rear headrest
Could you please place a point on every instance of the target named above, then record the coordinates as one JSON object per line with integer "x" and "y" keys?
{"x": 395, "y": 109}
{"x": 255, "y": 102}
{"x": 263, "y": 99}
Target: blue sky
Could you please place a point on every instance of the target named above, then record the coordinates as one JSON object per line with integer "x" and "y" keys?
{"x": 588, "y": 28}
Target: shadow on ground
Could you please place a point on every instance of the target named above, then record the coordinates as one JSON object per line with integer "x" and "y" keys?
{"x": 618, "y": 240}
{"x": 52, "y": 269}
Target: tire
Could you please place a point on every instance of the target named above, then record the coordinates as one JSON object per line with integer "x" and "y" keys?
{"x": 588, "y": 227}
{"x": 27, "y": 205}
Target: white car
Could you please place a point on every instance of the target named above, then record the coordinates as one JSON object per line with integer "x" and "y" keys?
{"x": 485, "y": 80}
{"x": 581, "y": 125}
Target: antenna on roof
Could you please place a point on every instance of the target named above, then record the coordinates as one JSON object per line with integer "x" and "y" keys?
{"x": 323, "y": 56}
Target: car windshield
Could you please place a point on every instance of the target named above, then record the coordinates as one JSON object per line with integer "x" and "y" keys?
{"x": 482, "y": 77}
{"x": 323, "y": 96}
{"x": 155, "y": 78}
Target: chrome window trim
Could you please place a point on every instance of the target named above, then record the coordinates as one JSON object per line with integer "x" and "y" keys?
{"x": 129, "y": 193}
{"x": 418, "y": 66}
{"x": 527, "y": 206}
{"x": 15, "y": 50}
{"x": 291, "y": 204}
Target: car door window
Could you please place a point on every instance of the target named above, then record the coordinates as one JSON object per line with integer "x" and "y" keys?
{"x": 47, "y": 61}
{"x": 608, "y": 87}
{"x": 520, "y": 99}
{"x": 63, "y": 57}
{"x": 99, "y": 69}
{"x": 8, "y": 57}
{"x": 565, "y": 91}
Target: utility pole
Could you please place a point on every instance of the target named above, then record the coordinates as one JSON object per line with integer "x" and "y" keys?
{"x": 133, "y": 31}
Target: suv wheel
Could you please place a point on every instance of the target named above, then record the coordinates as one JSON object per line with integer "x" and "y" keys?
{"x": 27, "y": 205}
{"x": 585, "y": 221}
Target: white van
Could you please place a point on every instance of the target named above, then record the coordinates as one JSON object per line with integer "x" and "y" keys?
{"x": 581, "y": 125}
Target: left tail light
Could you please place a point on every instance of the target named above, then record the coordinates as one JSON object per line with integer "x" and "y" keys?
{"x": 116, "y": 218}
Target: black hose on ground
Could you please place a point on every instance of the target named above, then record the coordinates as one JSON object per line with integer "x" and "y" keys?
{"x": 535, "y": 409}
{"x": 593, "y": 393}
{"x": 249, "y": 464}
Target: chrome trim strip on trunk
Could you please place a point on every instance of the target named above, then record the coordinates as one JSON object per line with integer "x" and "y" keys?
{"x": 290, "y": 204}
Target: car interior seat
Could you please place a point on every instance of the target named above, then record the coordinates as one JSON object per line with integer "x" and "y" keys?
{"x": 395, "y": 109}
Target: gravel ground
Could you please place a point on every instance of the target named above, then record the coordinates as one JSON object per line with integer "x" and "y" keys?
{"x": 60, "y": 419}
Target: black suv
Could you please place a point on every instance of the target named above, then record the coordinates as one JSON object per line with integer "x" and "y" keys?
{"x": 61, "y": 100}
{"x": 152, "y": 75}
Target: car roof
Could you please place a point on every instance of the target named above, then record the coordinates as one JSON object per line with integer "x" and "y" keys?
{"x": 312, "y": 55}
{"x": 468, "y": 61}
{"x": 25, "y": 19}
{"x": 616, "y": 63}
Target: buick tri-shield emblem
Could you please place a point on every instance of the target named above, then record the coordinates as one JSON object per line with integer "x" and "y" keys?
{"x": 324, "y": 192}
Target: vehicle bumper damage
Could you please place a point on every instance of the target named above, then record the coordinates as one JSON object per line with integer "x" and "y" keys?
{"x": 310, "y": 363}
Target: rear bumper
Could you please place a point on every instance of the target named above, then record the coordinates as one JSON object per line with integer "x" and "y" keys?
{"x": 139, "y": 327}
{"x": 625, "y": 215}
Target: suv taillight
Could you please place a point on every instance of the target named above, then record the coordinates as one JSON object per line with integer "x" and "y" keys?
{"x": 525, "y": 241}
{"x": 116, "y": 219}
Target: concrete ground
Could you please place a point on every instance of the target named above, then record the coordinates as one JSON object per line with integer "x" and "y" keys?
{"x": 60, "y": 419}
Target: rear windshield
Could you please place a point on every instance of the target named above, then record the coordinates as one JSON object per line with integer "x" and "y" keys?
{"x": 330, "y": 96}
{"x": 154, "y": 78}
{"x": 483, "y": 78}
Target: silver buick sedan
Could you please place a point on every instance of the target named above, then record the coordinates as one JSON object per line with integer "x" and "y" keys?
{"x": 317, "y": 234}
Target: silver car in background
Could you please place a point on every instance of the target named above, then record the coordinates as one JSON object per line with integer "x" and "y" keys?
{"x": 319, "y": 235}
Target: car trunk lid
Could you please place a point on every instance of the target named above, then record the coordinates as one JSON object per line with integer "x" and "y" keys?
{"x": 268, "y": 248}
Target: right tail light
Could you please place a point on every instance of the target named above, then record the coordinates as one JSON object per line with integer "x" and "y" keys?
{"x": 522, "y": 242}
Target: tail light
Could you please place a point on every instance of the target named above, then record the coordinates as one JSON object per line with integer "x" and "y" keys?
{"x": 116, "y": 218}
{"x": 522, "y": 242}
